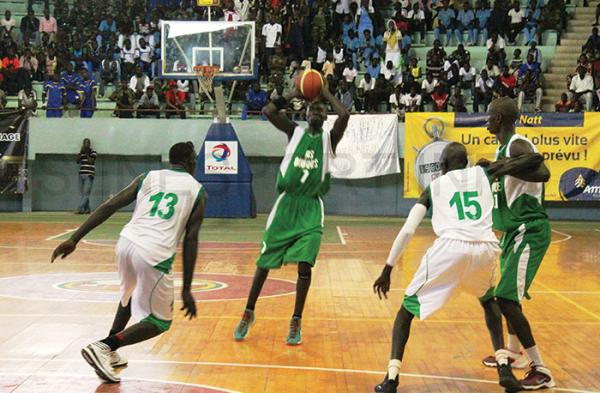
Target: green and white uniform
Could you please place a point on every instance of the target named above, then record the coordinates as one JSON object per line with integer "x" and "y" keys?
{"x": 146, "y": 247}
{"x": 295, "y": 224}
{"x": 466, "y": 250}
{"x": 518, "y": 212}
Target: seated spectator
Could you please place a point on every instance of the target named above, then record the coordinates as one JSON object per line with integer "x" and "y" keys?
{"x": 339, "y": 57}
{"x": 128, "y": 58}
{"x": 78, "y": 56}
{"x": 395, "y": 102}
{"x": 529, "y": 66}
{"x": 457, "y": 102}
{"x": 483, "y": 91}
{"x": 144, "y": 53}
{"x": 553, "y": 17}
{"x": 593, "y": 40}
{"x": 465, "y": 20}
{"x": 138, "y": 82}
{"x": 435, "y": 66}
{"x": 506, "y": 83}
{"x": 366, "y": 46}
{"x": 582, "y": 87}
{"x": 110, "y": 72}
{"x": 256, "y": 99}
{"x": 392, "y": 43}
{"x": 564, "y": 104}
{"x": 350, "y": 73}
{"x": 365, "y": 95}
{"x": 496, "y": 44}
{"x": 482, "y": 15}
{"x": 51, "y": 64}
{"x": 516, "y": 61}
{"x": 30, "y": 65}
{"x": 321, "y": 56}
{"x": 48, "y": 26}
{"x": 446, "y": 17}
{"x": 87, "y": 93}
{"x": 30, "y": 26}
{"x": 27, "y": 99}
{"x": 535, "y": 52}
{"x": 374, "y": 69}
{"x": 148, "y": 104}
{"x": 7, "y": 26}
{"x": 577, "y": 107}
{"x": 124, "y": 98}
{"x": 175, "y": 106}
{"x": 533, "y": 16}
{"x": 345, "y": 95}
{"x": 492, "y": 69}
{"x": 352, "y": 47}
{"x": 12, "y": 72}
{"x": 412, "y": 101}
{"x": 54, "y": 91}
{"x": 440, "y": 99}
{"x": 329, "y": 66}
{"x": 364, "y": 19}
{"x": 461, "y": 54}
{"x": 382, "y": 92}
{"x": 437, "y": 50}
{"x": 416, "y": 20}
{"x": 517, "y": 22}
{"x": 276, "y": 93}
{"x": 414, "y": 69}
{"x": 71, "y": 82}
{"x": 530, "y": 89}
{"x": 3, "y": 99}
{"x": 427, "y": 88}
{"x": 467, "y": 76}
{"x": 106, "y": 30}
{"x": 183, "y": 91}
{"x": 348, "y": 25}
{"x": 391, "y": 75}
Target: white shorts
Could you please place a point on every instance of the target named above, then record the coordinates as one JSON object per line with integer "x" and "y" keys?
{"x": 447, "y": 265}
{"x": 149, "y": 290}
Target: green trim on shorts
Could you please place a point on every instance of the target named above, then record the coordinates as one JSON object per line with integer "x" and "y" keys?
{"x": 161, "y": 324}
{"x": 166, "y": 265}
{"x": 412, "y": 304}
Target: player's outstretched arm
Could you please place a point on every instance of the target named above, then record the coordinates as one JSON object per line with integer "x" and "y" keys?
{"x": 280, "y": 120}
{"x": 340, "y": 125}
{"x": 101, "y": 214}
{"x": 515, "y": 166}
{"x": 416, "y": 215}
{"x": 190, "y": 251}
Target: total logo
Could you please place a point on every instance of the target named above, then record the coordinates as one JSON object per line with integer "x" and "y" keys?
{"x": 221, "y": 152}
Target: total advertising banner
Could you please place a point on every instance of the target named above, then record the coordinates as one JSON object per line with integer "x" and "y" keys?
{"x": 221, "y": 158}
{"x": 570, "y": 143}
{"x": 369, "y": 147}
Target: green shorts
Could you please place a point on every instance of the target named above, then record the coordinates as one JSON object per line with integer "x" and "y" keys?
{"x": 522, "y": 253}
{"x": 294, "y": 231}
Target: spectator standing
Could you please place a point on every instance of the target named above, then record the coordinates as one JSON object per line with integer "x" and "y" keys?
{"x": 465, "y": 21}
{"x": 517, "y": 22}
{"x": 71, "y": 81}
{"x": 271, "y": 31}
{"x": 48, "y": 26}
{"x": 27, "y": 99}
{"x": 7, "y": 26}
{"x": 564, "y": 104}
{"x": 148, "y": 105}
{"x": 144, "y": 53}
{"x": 498, "y": 22}
{"x": 87, "y": 92}
{"x": 582, "y": 87}
{"x": 54, "y": 91}
{"x": 124, "y": 98}
{"x": 30, "y": 26}
{"x": 87, "y": 171}
{"x": 446, "y": 18}
{"x": 392, "y": 40}
{"x": 128, "y": 58}
{"x": 483, "y": 91}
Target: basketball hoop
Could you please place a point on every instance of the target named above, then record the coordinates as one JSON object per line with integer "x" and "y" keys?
{"x": 205, "y": 75}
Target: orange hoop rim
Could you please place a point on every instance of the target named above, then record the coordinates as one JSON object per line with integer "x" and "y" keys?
{"x": 207, "y": 71}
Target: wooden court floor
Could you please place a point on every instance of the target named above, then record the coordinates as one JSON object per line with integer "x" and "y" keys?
{"x": 48, "y": 312}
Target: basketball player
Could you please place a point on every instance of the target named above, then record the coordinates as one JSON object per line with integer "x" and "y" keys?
{"x": 464, "y": 254}
{"x": 169, "y": 203}
{"x": 295, "y": 225}
{"x": 519, "y": 213}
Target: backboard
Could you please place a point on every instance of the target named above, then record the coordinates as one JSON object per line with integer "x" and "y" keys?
{"x": 228, "y": 45}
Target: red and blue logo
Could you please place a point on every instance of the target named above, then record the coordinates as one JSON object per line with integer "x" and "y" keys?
{"x": 221, "y": 152}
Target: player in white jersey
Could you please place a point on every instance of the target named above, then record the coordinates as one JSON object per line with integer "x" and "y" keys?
{"x": 464, "y": 254}
{"x": 169, "y": 205}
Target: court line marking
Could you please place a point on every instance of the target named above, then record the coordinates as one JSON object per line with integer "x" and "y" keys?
{"x": 341, "y": 235}
{"x": 269, "y": 366}
{"x": 574, "y": 303}
{"x": 61, "y": 234}
{"x": 74, "y": 375}
{"x": 567, "y": 237}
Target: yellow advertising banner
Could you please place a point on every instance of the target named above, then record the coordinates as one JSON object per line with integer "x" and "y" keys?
{"x": 570, "y": 143}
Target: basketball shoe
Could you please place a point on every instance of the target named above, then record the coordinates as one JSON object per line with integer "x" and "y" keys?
{"x": 242, "y": 328}
{"x": 506, "y": 378}
{"x": 517, "y": 360}
{"x": 387, "y": 386}
{"x": 97, "y": 355}
{"x": 538, "y": 377}
{"x": 117, "y": 360}
{"x": 295, "y": 332}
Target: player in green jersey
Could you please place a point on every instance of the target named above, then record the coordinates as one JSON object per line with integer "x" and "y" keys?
{"x": 295, "y": 225}
{"x": 519, "y": 214}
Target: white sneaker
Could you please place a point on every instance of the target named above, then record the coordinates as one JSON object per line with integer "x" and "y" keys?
{"x": 117, "y": 360}
{"x": 97, "y": 355}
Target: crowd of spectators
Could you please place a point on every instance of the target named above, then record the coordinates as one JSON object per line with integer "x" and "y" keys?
{"x": 366, "y": 54}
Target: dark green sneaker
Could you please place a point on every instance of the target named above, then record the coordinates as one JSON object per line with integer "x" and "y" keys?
{"x": 241, "y": 330}
{"x": 295, "y": 332}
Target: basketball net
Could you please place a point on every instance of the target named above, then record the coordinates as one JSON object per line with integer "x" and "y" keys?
{"x": 205, "y": 75}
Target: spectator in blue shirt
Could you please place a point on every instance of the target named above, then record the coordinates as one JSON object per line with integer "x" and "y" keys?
{"x": 446, "y": 18}
{"x": 255, "y": 99}
{"x": 374, "y": 69}
{"x": 364, "y": 20}
{"x": 593, "y": 40}
{"x": 54, "y": 92}
{"x": 533, "y": 15}
{"x": 366, "y": 44}
{"x": 71, "y": 81}
{"x": 107, "y": 28}
{"x": 352, "y": 45}
{"x": 529, "y": 65}
{"x": 347, "y": 26}
{"x": 87, "y": 92}
{"x": 465, "y": 21}
{"x": 482, "y": 15}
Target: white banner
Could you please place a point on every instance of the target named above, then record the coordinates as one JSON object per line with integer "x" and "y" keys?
{"x": 369, "y": 147}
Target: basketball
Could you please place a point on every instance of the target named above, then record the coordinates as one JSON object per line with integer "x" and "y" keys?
{"x": 310, "y": 83}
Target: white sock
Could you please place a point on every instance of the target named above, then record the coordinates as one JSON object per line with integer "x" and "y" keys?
{"x": 394, "y": 368}
{"x": 502, "y": 356}
{"x": 513, "y": 343}
{"x": 534, "y": 355}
